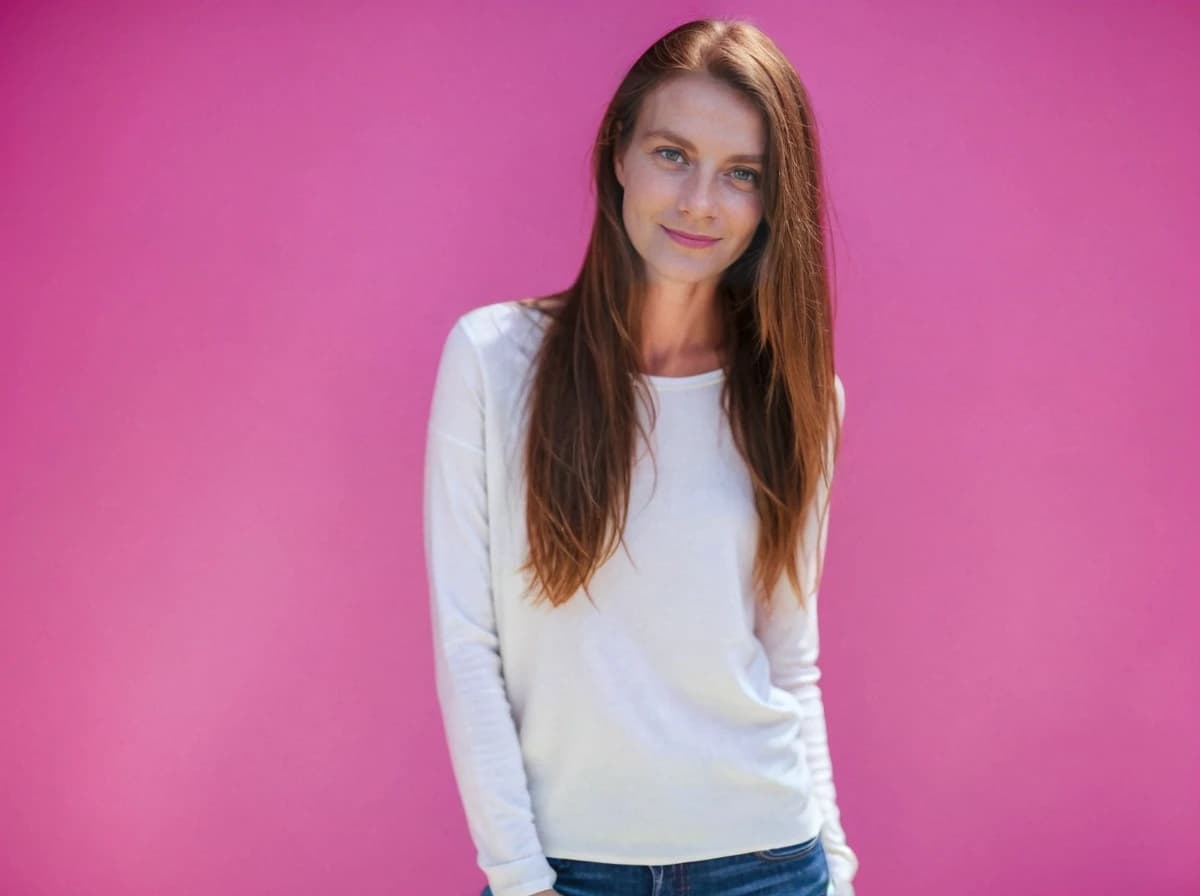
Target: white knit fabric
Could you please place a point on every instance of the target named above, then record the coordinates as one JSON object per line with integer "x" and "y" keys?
{"x": 671, "y": 721}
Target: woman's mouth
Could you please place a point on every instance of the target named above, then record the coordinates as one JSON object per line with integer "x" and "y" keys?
{"x": 690, "y": 240}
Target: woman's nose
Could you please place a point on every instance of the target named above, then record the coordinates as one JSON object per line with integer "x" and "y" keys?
{"x": 696, "y": 196}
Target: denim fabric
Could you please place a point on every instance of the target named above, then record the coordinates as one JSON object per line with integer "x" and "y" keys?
{"x": 796, "y": 870}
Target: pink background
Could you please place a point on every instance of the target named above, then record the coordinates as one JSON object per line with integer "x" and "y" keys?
{"x": 233, "y": 240}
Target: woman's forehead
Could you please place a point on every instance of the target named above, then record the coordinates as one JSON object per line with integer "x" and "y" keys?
{"x": 703, "y": 112}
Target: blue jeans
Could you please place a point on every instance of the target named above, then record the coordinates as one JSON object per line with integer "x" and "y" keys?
{"x": 796, "y": 870}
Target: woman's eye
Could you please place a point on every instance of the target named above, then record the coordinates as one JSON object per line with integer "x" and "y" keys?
{"x": 751, "y": 178}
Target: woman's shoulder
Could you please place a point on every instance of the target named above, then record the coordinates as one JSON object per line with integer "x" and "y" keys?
{"x": 504, "y": 334}
{"x": 487, "y": 321}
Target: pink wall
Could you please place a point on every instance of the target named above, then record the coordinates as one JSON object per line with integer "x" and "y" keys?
{"x": 232, "y": 243}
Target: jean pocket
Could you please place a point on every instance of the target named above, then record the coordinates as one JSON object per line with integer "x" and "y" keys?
{"x": 793, "y": 851}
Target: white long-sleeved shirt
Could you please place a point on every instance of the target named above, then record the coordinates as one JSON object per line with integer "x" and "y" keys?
{"x": 672, "y": 721}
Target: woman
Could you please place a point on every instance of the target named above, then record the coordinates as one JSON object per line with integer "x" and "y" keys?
{"x": 663, "y": 732}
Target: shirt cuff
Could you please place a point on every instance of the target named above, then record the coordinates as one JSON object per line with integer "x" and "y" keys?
{"x": 839, "y": 880}
{"x": 522, "y": 877}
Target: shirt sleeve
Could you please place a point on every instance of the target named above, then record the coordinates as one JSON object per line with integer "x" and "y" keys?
{"x": 477, "y": 717}
{"x": 790, "y": 637}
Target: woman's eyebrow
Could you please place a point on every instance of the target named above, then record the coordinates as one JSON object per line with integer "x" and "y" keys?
{"x": 665, "y": 134}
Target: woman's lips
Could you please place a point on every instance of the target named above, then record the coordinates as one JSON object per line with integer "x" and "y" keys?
{"x": 693, "y": 242}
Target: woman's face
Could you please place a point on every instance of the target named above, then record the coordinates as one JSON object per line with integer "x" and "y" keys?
{"x": 693, "y": 164}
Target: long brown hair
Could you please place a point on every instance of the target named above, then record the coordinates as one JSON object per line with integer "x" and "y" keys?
{"x": 779, "y": 391}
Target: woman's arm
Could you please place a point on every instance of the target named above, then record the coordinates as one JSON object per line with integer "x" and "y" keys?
{"x": 791, "y": 640}
{"x": 480, "y": 731}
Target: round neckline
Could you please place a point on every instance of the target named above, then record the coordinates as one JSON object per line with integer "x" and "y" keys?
{"x": 685, "y": 382}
